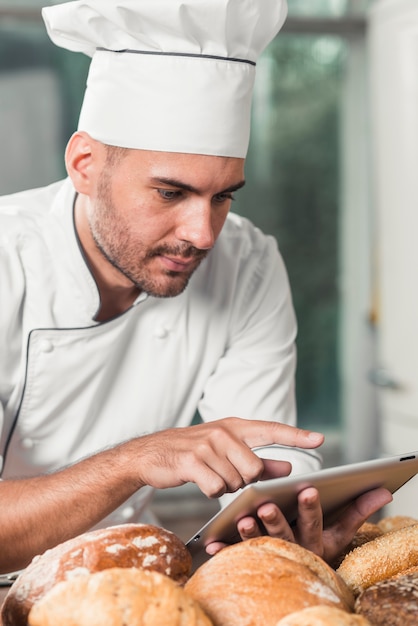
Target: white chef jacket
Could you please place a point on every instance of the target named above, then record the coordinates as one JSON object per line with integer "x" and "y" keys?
{"x": 71, "y": 386}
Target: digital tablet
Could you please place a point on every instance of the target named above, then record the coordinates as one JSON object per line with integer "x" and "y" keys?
{"x": 337, "y": 487}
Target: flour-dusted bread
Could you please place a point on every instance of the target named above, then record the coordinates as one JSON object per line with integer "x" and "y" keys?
{"x": 381, "y": 558}
{"x": 128, "y": 545}
{"x": 323, "y": 616}
{"x": 118, "y": 597}
{"x": 261, "y": 580}
{"x": 391, "y": 602}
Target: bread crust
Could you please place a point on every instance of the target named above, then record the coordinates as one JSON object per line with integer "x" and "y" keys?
{"x": 259, "y": 581}
{"x": 395, "y": 522}
{"x": 391, "y": 602}
{"x": 323, "y": 616}
{"x": 118, "y": 597}
{"x": 128, "y": 545}
{"x": 381, "y": 558}
{"x": 318, "y": 566}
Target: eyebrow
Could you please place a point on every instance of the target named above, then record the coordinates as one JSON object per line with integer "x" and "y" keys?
{"x": 181, "y": 185}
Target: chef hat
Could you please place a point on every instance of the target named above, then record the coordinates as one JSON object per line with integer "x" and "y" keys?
{"x": 169, "y": 75}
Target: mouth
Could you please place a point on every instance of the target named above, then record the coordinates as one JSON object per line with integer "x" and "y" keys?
{"x": 173, "y": 264}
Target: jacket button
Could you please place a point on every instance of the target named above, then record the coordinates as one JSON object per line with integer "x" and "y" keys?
{"x": 27, "y": 443}
{"x": 161, "y": 332}
{"x": 46, "y": 346}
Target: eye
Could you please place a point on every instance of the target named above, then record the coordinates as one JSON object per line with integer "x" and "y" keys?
{"x": 169, "y": 194}
{"x": 223, "y": 197}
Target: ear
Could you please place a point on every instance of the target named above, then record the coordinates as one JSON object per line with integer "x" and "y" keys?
{"x": 83, "y": 160}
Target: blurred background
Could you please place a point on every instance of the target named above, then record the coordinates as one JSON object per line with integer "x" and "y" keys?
{"x": 332, "y": 173}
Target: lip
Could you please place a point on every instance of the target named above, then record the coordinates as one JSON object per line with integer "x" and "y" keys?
{"x": 177, "y": 265}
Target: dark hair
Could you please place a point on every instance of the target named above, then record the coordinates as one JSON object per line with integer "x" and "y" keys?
{"x": 114, "y": 154}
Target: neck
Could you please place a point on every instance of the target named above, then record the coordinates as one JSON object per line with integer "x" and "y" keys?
{"x": 117, "y": 293}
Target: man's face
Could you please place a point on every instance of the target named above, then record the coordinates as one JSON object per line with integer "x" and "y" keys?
{"x": 156, "y": 215}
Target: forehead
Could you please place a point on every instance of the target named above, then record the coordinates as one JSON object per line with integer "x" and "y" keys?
{"x": 192, "y": 169}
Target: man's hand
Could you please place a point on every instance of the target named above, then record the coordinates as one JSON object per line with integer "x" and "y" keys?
{"x": 328, "y": 542}
{"x": 217, "y": 456}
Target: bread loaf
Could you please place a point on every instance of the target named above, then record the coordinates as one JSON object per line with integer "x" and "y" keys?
{"x": 128, "y": 545}
{"x": 118, "y": 597}
{"x": 381, "y": 558}
{"x": 261, "y": 580}
{"x": 391, "y": 602}
{"x": 323, "y": 616}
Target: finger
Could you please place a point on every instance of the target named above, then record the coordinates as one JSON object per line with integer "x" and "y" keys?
{"x": 275, "y": 469}
{"x": 248, "y": 528}
{"x": 362, "y": 508}
{"x": 339, "y": 534}
{"x": 274, "y": 522}
{"x": 214, "y": 547}
{"x": 216, "y": 474}
{"x": 309, "y": 525}
{"x": 262, "y": 433}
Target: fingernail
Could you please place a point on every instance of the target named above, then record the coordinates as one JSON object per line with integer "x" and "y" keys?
{"x": 317, "y": 437}
{"x": 248, "y": 527}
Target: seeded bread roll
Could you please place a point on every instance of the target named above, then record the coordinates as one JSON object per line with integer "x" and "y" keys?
{"x": 395, "y": 522}
{"x": 323, "y": 616}
{"x": 381, "y": 558}
{"x": 118, "y": 597}
{"x": 260, "y": 581}
{"x": 129, "y": 545}
{"x": 391, "y": 602}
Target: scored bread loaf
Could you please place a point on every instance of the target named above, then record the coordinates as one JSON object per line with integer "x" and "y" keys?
{"x": 323, "y": 616}
{"x": 118, "y": 597}
{"x": 261, "y": 580}
{"x": 128, "y": 545}
{"x": 381, "y": 558}
{"x": 391, "y": 602}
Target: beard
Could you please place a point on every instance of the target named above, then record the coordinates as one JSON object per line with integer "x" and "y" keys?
{"x": 130, "y": 256}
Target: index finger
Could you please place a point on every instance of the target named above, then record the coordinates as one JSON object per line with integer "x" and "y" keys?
{"x": 263, "y": 433}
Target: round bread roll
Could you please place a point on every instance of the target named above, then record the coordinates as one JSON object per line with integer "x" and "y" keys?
{"x": 127, "y": 545}
{"x": 395, "y": 522}
{"x": 380, "y": 558}
{"x": 323, "y": 616}
{"x": 118, "y": 597}
{"x": 392, "y": 602}
{"x": 261, "y": 580}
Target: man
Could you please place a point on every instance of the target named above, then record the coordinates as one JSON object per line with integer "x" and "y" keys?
{"x": 130, "y": 296}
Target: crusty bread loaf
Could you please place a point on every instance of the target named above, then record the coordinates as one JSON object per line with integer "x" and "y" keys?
{"x": 318, "y": 566}
{"x": 261, "y": 580}
{"x": 391, "y": 602}
{"x": 129, "y": 545}
{"x": 381, "y": 558}
{"x": 395, "y": 522}
{"x": 323, "y": 616}
{"x": 118, "y": 597}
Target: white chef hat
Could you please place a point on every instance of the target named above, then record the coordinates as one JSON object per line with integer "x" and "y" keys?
{"x": 170, "y": 75}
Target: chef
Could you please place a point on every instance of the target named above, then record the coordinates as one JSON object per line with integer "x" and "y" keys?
{"x": 131, "y": 295}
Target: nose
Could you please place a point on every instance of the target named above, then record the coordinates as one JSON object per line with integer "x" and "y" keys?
{"x": 196, "y": 226}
